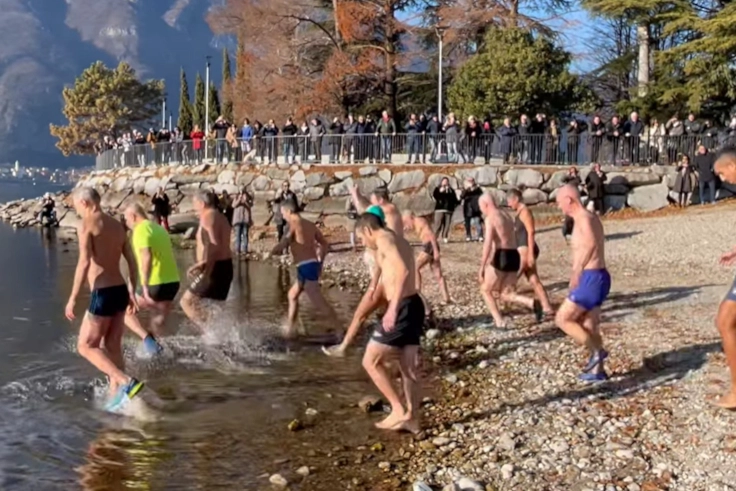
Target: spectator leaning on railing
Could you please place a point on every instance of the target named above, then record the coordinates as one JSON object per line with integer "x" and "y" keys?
{"x": 704, "y": 162}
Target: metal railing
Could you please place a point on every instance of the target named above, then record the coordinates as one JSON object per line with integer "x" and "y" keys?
{"x": 544, "y": 149}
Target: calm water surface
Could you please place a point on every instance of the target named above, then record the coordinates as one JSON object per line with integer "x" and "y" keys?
{"x": 223, "y": 407}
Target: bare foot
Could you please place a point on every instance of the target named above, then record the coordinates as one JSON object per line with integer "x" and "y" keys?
{"x": 726, "y": 402}
{"x": 391, "y": 420}
{"x": 336, "y": 351}
{"x": 411, "y": 426}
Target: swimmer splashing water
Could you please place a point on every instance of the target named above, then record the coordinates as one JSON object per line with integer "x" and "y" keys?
{"x": 102, "y": 242}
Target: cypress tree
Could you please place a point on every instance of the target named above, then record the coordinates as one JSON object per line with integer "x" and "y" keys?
{"x": 185, "y": 121}
{"x": 199, "y": 105}
{"x": 214, "y": 103}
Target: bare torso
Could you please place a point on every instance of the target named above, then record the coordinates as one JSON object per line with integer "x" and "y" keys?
{"x": 393, "y": 219}
{"x": 107, "y": 240}
{"x": 588, "y": 232}
{"x": 500, "y": 226}
{"x": 524, "y": 217}
{"x": 423, "y": 230}
{"x": 218, "y": 246}
{"x": 303, "y": 243}
{"x": 394, "y": 254}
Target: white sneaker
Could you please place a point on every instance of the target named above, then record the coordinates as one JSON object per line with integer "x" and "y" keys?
{"x": 444, "y": 240}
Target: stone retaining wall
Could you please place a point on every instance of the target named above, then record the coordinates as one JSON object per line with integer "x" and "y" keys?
{"x": 324, "y": 189}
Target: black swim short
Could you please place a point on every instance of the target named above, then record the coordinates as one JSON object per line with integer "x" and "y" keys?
{"x": 429, "y": 250}
{"x": 409, "y": 325}
{"x": 165, "y": 292}
{"x": 109, "y": 301}
{"x": 507, "y": 260}
{"x": 216, "y": 286}
{"x": 536, "y": 250}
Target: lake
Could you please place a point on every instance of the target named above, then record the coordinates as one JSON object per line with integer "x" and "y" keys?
{"x": 223, "y": 408}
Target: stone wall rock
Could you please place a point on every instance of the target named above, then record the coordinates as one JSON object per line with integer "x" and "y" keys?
{"x": 533, "y": 196}
{"x": 484, "y": 176}
{"x": 633, "y": 179}
{"x": 406, "y": 180}
{"x": 648, "y": 198}
{"x": 528, "y": 178}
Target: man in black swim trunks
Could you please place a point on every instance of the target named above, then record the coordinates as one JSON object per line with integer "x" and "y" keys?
{"x": 429, "y": 253}
{"x": 397, "y": 338}
{"x": 212, "y": 275}
{"x": 500, "y": 276}
{"x": 526, "y": 243}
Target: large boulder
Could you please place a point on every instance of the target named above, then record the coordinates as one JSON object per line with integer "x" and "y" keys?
{"x": 327, "y": 206}
{"x": 420, "y": 202}
{"x": 70, "y": 220}
{"x": 139, "y": 185}
{"x": 527, "y": 178}
{"x": 152, "y": 185}
{"x": 434, "y": 181}
{"x": 279, "y": 174}
{"x": 368, "y": 170}
{"x": 484, "y": 176}
{"x": 181, "y": 222}
{"x": 343, "y": 174}
{"x": 192, "y": 178}
{"x": 406, "y": 180}
{"x": 632, "y": 179}
{"x": 532, "y": 196}
{"x": 366, "y": 185}
{"x": 556, "y": 180}
{"x": 341, "y": 188}
{"x": 185, "y": 206}
{"x": 317, "y": 178}
{"x": 648, "y": 198}
{"x": 312, "y": 194}
{"x": 226, "y": 177}
{"x": 112, "y": 199}
{"x": 298, "y": 176}
{"x": 119, "y": 184}
{"x": 385, "y": 175}
{"x": 139, "y": 199}
{"x": 614, "y": 202}
{"x": 261, "y": 183}
{"x": 616, "y": 189}
{"x": 189, "y": 188}
{"x": 231, "y": 189}
{"x": 499, "y": 197}
{"x": 338, "y": 221}
{"x": 245, "y": 178}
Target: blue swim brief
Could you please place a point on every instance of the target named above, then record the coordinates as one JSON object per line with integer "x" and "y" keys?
{"x": 309, "y": 270}
{"x": 592, "y": 290}
{"x": 109, "y": 301}
{"x": 731, "y": 295}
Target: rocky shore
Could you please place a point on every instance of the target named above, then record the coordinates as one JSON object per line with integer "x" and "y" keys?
{"x": 324, "y": 189}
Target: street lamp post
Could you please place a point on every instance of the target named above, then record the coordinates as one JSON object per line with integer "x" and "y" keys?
{"x": 163, "y": 115}
{"x": 440, "y": 31}
{"x": 206, "y": 105}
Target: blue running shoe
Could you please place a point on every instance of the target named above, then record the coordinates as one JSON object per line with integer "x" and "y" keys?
{"x": 124, "y": 394}
{"x": 151, "y": 345}
{"x": 595, "y": 359}
{"x": 593, "y": 377}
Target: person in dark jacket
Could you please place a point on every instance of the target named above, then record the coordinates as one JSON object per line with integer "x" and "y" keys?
{"x": 445, "y": 202}
{"x": 473, "y": 138}
{"x": 413, "y": 135}
{"x": 536, "y": 136}
{"x": 523, "y": 130}
{"x": 423, "y": 137}
{"x": 471, "y": 209}
{"x": 289, "y": 131}
{"x": 335, "y": 140}
{"x": 574, "y": 130}
{"x": 434, "y": 130}
{"x": 684, "y": 182}
{"x": 508, "y": 134}
{"x": 597, "y": 131}
{"x": 161, "y": 208}
{"x": 693, "y": 129}
{"x": 220, "y": 130}
{"x": 596, "y": 190}
{"x": 303, "y": 142}
{"x": 270, "y": 132}
{"x": 350, "y": 129}
{"x": 614, "y": 132}
{"x": 281, "y": 196}
{"x": 704, "y": 162}
{"x": 633, "y": 129}
{"x": 316, "y": 132}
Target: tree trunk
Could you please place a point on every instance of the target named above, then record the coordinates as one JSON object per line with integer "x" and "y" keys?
{"x": 514, "y": 14}
{"x": 643, "y": 40}
{"x": 338, "y": 36}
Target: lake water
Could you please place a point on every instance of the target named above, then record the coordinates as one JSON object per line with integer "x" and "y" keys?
{"x": 223, "y": 409}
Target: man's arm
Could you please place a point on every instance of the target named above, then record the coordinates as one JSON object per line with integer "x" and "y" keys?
{"x": 324, "y": 246}
{"x": 283, "y": 244}
{"x": 361, "y": 204}
{"x": 209, "y": 241}
{"x": 400, "y": 276}
{"x": 487, "y": 244}
{"x": 85, "y": 259}
{"x": 146, "y": 260}
{"x": 527, "y": 219}
{"x": 583, "y": 252}
{"x": 132, "y": 270}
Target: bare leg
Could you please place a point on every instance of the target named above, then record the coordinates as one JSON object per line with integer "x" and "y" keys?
{"x": 294, "y": 292}
{"x": 314, "y": 293}
{"x": 371, "y": 301}
{"x": 134, "y": 324}
{"x": 726, "y": 323}
{"x": 409, "y": 362}
{"x": 491, "y": 284}
{"x": 159, "y": 314}
{"x": 114, "y": 346}
{"x": 374, "y": 361}
{"x": 539, "y": 291}
{"x": 437, "y": 269}
{"x": 94, "y": 329}
{"x": 194, "y": 309}
{"x": 422, "y": 260}
{"x": 568, "y": 319}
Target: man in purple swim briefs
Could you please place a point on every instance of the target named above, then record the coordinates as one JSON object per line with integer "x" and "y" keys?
{"x": 580, "y": 314}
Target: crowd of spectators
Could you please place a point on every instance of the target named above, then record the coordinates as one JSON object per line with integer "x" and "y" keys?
{"x": 425, "y": 139}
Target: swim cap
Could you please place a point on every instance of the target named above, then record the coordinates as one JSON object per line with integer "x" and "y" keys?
{"x": 376, "y": 210}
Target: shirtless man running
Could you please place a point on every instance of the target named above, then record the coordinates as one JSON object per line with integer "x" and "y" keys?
{"x": 430, "y": 252}
{"x": 213, "y": 273}
{"x": 309, "y": 248}
{"x": 500, "y": 276}
{"x": 397, "y": 339}
{"x": 379, "y": 197}
{"x": 590, "y": 283}
{"x": 529, "y": 251}
{"x": 725, "y": 167}
{"x": 102, "y": 241}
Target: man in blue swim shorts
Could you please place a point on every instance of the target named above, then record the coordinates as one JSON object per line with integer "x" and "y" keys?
{"x": 590, "y": 283}
{"x": 308, "y": 247}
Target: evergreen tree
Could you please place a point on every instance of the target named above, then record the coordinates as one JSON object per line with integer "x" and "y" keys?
{"x": 199, "y": 104}
{"x": 227, "y": 104}
{"x": 106, "y": 102}
{"x": 214, "y": 103}
{"x": 185, "y": 121}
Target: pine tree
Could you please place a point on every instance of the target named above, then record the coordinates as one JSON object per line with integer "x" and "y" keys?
{"x": 199, "y": 104}
{"x": 106, "y": 102}
{"x": 214, "y": 103}
{"x": 185, "y": 121}
{"x": 227, "y": 104}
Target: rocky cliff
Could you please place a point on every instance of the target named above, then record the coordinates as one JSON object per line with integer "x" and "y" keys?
{"x": 45, "y": 44}
{"x": 324, "y": 189}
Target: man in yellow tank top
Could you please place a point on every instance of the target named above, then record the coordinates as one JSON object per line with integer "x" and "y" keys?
{"x": 157, "y": 272}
